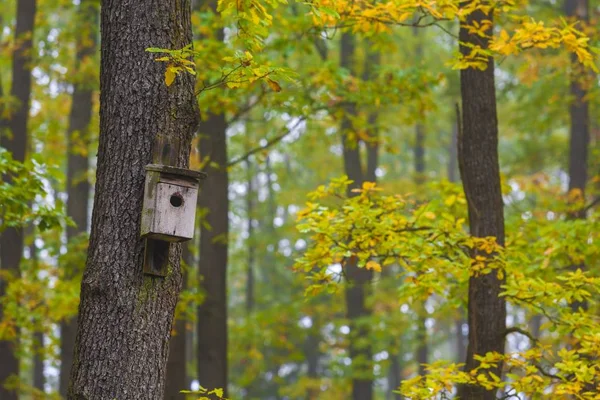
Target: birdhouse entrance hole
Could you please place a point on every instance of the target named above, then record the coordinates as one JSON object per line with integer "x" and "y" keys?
{"x": 176, "y": 200}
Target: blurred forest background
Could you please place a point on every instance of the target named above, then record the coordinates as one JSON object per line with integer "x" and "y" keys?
{"x": 300, "y": 284}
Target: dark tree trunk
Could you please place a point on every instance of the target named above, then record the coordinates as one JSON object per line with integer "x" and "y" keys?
{"x": 38, "y": 336}
{"x": 358, "y": 278}
{"x": 78, "y": 186}
{"x": 480, "y": 173}
{"x": 125, "y": 316}
{"x": 38, "y": 362}
{"x": 212, "y": 314}
{"x": 312, "y": 354}
{"x": 394, "y": 378}
{"x": 177, "y": 374}
{"x": 419, "y": 152}
{"x": 176, "y": 364}
{"x": 422, "y": 348}
{"x": 579, "y": 137}
{"x": 11, "y": 239}
{"x": 372, "y": 62}
{"x": 578, "y": 111}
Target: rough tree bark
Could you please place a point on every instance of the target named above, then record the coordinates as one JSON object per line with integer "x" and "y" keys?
{"x": 480, "y": 173}
{"x": 14, "y": 139}
{"x": 125, "y": 316}
{"x": 78, "y": 186}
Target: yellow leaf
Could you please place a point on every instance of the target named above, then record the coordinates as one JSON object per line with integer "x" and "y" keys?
{"x": 169, "y": 76}
{"x": 374, "y": 265}
{"x": 368, "y": 185}
{"x": 274, "y": 85}
{"x": 429, "y": 215}
{"x": 450, "y": 200}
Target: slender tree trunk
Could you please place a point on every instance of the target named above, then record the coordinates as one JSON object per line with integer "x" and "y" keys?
{"x": 78, "y": 186}
{"x": 176, "y": 364}
{"x": 38, "y": 336}
{"x": 39, "y": 378}
{"x": 212, "y": 314}
{"x": 251, "y": 244}
{"x": 452, "y": 154}
{"x": 358, "y": 278}
{"x": 579, "y": 137}
{"x": 480, "y": 173}
{"x": 11, "y": 239}
{"x": 461, "y": 346}
{"x": 419, "y": 152}
{"x": 177, "y": 375}
{"x": 125, "y": 316}
{"x": 419, "y": 160}
{"x": 312, "y": 354}
{"x": 578, "y": 111}
{"x": 272, "y": 274}
{"x": 394, "y": 378}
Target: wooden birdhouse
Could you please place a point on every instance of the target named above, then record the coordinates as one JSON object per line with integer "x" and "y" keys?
{"x": 169, "y": 209}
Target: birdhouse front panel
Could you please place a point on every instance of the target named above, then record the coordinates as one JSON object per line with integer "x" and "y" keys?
{"x": 169, "y": 209}
{"x": 170, "y": 212}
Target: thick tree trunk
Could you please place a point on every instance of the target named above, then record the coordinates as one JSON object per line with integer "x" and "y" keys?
{"x": 78, "y": 186}
{"x": 480, "y": 173}
{"x": 125, "y": 316}
{"x": 212, "y": 314}
{"x": 11, "y": 239}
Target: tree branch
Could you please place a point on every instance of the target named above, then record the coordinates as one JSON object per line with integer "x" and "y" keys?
{"x": 270, "y": 142}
